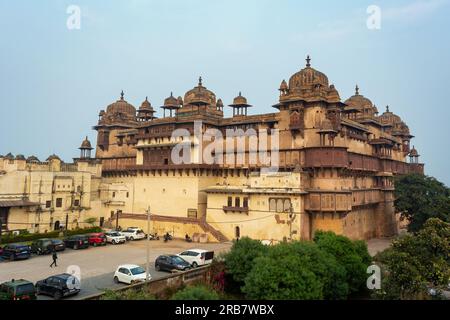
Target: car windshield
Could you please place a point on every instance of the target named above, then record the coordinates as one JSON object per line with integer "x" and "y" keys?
{"x": 178, "y": 260}
{"x": 137, "y": 270}
{"x": 114, "y": 234}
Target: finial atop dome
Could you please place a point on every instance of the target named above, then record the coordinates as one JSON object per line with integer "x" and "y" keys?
{"x": 308, "y": 61}
{"x": 387, "y": 108}
{"x": 200, "y": 81}
{"x": 357, "y": 90}
{"x": 121, "y": 95}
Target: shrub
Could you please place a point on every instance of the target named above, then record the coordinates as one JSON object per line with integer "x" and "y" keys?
{"x": 26, "y": 237}
{"x": 196, "y": 293}
{"x": 129, "y": 294}
{"x": 351, "y": 255}
{"x": 239, "y": 260}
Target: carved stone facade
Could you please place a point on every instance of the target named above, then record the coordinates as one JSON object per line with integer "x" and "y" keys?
{"x": 337, "y": 161}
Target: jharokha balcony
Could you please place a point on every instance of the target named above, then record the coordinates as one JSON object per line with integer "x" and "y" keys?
{"x": 227, "y": 209}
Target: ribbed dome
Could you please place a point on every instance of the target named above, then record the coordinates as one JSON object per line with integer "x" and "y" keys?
{"x": 219, "y": 103}
{"x": 171, "y": 102}
{"x": 307, "y": 78}
{"x": 121, "y": 106}
{"x": 146, "y": 105}
{"x": 240, "y": 100}
{"x": 20, "y": 157}
{"x": 414, "y": 152}
{"x": 200, "y": 95}
{"x": 53, "y": 157}
{"x": 283, "y": 85}
{"x": 389, "y": 118}
{"x": 359, "y": 101}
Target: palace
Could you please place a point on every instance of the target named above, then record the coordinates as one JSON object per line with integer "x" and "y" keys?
{"x": 335, "y": 166}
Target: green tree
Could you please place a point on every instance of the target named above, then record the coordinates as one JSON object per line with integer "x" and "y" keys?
{"x": 415, "y": 262}
{"x": 283, "y": 278}
{"x": 196, "y": 293}
{"x": 351, "y": 255}
{"x": 240, "y": 259}
{"x": 91, "y": 221}
{"x": 420, "y": 198}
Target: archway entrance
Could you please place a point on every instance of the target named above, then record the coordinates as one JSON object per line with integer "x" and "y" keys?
{"x": 57, "y": 226}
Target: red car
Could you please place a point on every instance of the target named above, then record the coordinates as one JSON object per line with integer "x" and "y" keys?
{"x": 97, "y": 239}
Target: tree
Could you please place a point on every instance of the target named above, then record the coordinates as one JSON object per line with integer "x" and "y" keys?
{"x": 196, "y": 293}
{"x": 282, "y": 278}
{"x": 239, "y": 260}
{"x": 416, "y": 262}
{"x": 351, "y": 255}
{"x": 91, "y": 221}
{"x": 420, "y": 198}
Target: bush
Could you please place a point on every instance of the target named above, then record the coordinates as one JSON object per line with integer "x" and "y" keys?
{"x": 129, "y": 294}
{"x": 196, "y": 293}
{"x": 351, "y": 255}
{"x": 415, "y": 263}
{"x": 239, "y": 260}
{"x": 282, "y": 278}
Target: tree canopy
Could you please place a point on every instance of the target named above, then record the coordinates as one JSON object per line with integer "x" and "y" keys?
{"x": 420, "y": 198}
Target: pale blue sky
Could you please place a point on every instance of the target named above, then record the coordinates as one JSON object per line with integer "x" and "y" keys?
{"x": 54, "y": 81}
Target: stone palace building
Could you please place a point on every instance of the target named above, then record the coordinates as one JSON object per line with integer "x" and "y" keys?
{"x": 335, "y": 163}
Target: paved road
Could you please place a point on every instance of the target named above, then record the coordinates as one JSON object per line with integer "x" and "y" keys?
{"x": 97, "y": 265}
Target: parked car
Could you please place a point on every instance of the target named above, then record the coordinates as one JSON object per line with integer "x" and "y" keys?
{"x": 45, "y": 246}
{"x": 115, "y": 237}
{"x": 197, "y": 257}
{"x": 16, "y": 251}
{"x": 77, "y": 242}
{"x": 97, "y": 239}
{"x": 170, "y": 263}
{"x": 133, "y": 234}
{"x": 59, "y": 286}
{"x": 130, "y": 273}
{"x": 17, "y": 290}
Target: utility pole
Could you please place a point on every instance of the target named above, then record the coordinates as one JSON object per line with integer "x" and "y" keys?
{"x": 147, "y": 269}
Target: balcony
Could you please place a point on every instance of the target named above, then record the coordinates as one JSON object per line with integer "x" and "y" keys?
{"x": 228, "y": 209}
{"x": 333, "y": 157}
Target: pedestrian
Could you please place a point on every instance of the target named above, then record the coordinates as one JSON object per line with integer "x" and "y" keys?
{"x": 54, "y": 257}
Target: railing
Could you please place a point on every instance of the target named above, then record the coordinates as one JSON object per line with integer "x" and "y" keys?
{"x": 235, "y": 209}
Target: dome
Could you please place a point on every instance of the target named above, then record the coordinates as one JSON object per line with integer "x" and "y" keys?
{"x": 240, "y": 101}
{"x": 358, "y": 101}
{"x": 9, "y": 156}
{"x": 20, "y": 157}
{"x": 389, "y": 118}
{"x": 53, "y": 157}
{"x": 86, "y": 144}
{"x": 219, "y": 103}
{"x": 32, "y": 159}
{"x": 307, "y": 78}
{"x": 171, "y": 102}
{"x": 414, "y": 152}
{"x": 200, "y": 95}
{"x": 283, "y": 85}
{"x": 145, "y": 104}
{"x": 121, "y": 106}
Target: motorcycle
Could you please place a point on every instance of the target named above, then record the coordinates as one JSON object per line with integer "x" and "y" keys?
{"x": 153, "y": 236}
{"x": 167, "y": 237}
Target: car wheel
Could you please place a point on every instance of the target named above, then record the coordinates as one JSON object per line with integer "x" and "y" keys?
{"x": 11, "y": 257}
{"x": 194, "y": 264}
{"x": 95, "y": 244}
{"x": 57, "y": 295}
{"x": 116, "y": 280}
{"x": 131, "y": 239}
{"x": 38, "y": 291}
{"x": 157, "y": 267}
{"x": 75, "y": 247}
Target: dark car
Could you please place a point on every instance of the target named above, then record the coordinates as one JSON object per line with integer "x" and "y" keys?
{"x": 171, "y": 262}
{"x": 97, "y": 239}
{"x": 17, "y": 290}
{"x": 77, "y": 242}
{"x": 15, "y": 251}
{"x": 45, "y": 246}
{"x": 58, "y": 286}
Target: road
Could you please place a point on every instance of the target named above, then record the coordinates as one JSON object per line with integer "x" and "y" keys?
{"x": 98, "y": 264}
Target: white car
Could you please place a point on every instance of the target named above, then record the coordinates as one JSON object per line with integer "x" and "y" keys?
{"x": 130, "y": 274}
{"x": 197, "y": 257}
{"x": 133, "y": 234}
{"x": 115, "y": 237}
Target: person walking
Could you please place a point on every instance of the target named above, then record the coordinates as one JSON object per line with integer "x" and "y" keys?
{"x": 54, "y": 257}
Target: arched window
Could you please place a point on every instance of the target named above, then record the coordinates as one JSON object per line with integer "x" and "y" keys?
{"x": 237, "y": 232}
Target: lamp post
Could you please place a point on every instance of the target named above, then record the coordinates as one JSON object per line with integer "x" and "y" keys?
{"x": 147, "y": 269}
